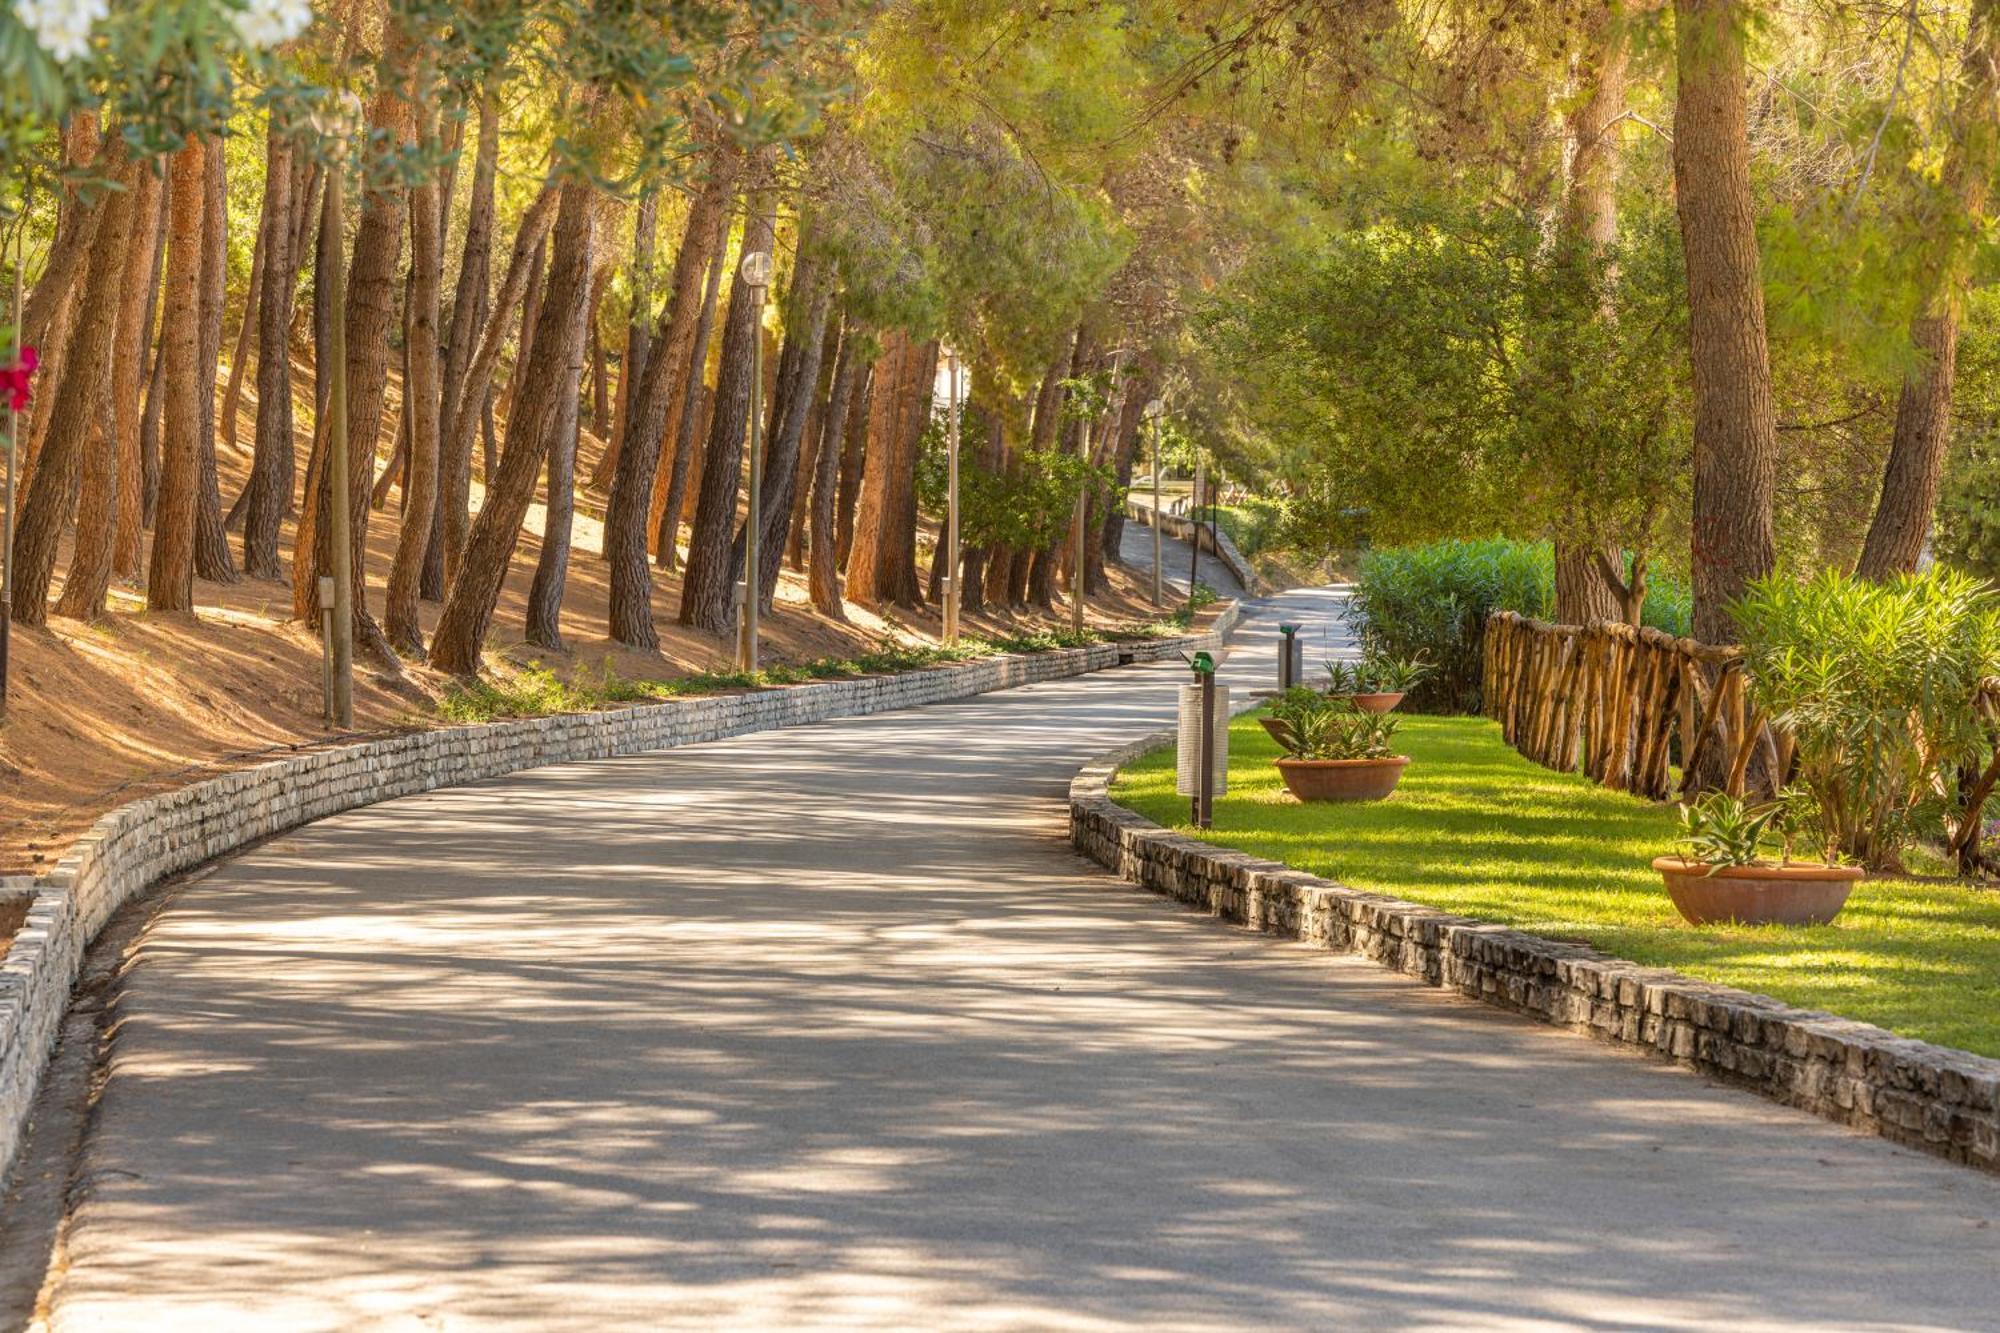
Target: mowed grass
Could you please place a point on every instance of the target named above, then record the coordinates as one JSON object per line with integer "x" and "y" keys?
{"x": 1477, "y": 830}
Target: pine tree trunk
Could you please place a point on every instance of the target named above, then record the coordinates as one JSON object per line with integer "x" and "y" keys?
{"x": 600, "y": 369}
{"x": 812, "y": 302}
{"x": 545, "y": 594}
{"x": 232, "y": 398}
{"x": 1735, "y": 431}
{"x": 882, "y": 567}
{"x": 420, "y": 412}
{"x": 128, "y": 368}
{"x": 268, "y": 493}
{"x": 524, "y": 265}
{"x": 170, "y": 575}
{"x": 638, "y": 332}
{"x": 468, "y": 607}
{"x": 212, "y": 560}
{"x": 707, "y": 591}
{"x": 823, "y": 560}
{"x": 89, "y": 575}
{"x": 76, "y": 234}
{"x": 694, "y": 406}
{"x": 1583, "y": 594}
{"x": 1901, "y": 527}
{"x": 650, "y": 406}
{"x": 853, "y": 462}
{"x": 470, "y": 307}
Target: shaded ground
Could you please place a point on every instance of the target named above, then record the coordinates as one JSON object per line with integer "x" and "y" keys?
{"x": 830, "y": 1026}
{"x": 106, "y": 713}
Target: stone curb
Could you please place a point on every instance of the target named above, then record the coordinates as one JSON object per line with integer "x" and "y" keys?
{"x": 137, "y": 845}
{"x": 1942, "y": 1100}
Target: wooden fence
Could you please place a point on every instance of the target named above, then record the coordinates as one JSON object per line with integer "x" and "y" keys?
{"x": 1611, "y": 701}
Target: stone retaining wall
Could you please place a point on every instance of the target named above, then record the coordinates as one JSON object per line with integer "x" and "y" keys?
{"x": 1942, "y": 1100}
{"x": 136, "y": 845}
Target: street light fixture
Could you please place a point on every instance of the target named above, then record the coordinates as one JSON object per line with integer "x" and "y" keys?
{"x": 1153, "y": 412}
{"x": 952, "y": 591}
{"x": 755, "y": 271}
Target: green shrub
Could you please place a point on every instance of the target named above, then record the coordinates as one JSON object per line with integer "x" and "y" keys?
{"x": 1878, "y": 684}
{"x": 1254, "y": 523}
{"x": 1430, "y": 603}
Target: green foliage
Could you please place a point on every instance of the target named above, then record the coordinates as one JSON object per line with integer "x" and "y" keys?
{"x": 1255, "y": 524}
{"x": 1430, "y": 603}
{"x": 1199, "y": 597}
{"x": 1376, "y": 674}
{"x": 1877, "y": 683}
{"x": 1477, "y": 830}
{"x": 1721, "y": 830}
{"x": 1444, "y": 370}
{"x": 1313, "y": 726}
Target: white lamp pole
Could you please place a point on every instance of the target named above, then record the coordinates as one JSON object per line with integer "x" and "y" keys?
{"x": 756, "y": 271}
{"x": 951, "y": 548}
{"x": 1153, "y": 411}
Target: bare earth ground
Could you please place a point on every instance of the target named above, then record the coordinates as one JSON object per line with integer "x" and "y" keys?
{"x": 101, "y": 714}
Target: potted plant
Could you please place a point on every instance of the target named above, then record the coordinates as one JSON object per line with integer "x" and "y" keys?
{"x": 1375, "y": 684}
{"x": 1284, "y": 706}
{"x": 1725, "y": 876}
{"x": 1336, "y": 752}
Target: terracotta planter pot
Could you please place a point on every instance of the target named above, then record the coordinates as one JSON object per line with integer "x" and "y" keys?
{"x": 1342, "y": 779}
{"x": 1804, "y": 893}
{"x": 1372, "y": 703}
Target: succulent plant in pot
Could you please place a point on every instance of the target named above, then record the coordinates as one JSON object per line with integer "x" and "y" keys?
{"x": 1377, "y": 683}
{"x": 1725, "y": 873}
{"x": 1335, "y": 751}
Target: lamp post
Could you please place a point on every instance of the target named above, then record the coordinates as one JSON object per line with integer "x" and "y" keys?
{"x": 1194, "y": 533}
{"x": 756, "y": 271}
{"x": 339, "y": 508}
{"x": 1153, "y": 411}
{"x": 951, "y": 550}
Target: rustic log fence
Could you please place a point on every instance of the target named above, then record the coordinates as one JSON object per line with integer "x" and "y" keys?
{"x": 1612, "y": 701}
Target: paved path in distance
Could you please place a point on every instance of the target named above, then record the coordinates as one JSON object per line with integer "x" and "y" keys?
{"x": 828, "y": 1026}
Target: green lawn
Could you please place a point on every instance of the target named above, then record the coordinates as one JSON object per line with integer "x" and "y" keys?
{"x": 1477, "y": 830}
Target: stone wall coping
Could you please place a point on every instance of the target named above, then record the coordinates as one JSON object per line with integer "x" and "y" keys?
{"x": 136, "y": 845}
{"x": 1937, "y": 1098}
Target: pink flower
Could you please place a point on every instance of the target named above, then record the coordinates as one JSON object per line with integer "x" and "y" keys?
{"x": 15, "y": 385}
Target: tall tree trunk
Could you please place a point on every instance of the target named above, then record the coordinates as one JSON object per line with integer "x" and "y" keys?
{"x": 170, "y": 576}
{"x": 76, "y": 233}
{"x": 853, "y": 461}
{"x": 882, "y": 567}
{"x": 268, "y": 493}
{"x": 90, "y": 565}
{"x": 1735, "y": 428}
{"x": 420, "y": 412}
{"x": 638, "y": 331}
{"x": 1589, "y": 227}
{"x": 707, "y": 590}
{"x": 128, "y": 366}
{"x": 371, "y": 313}
{"x": 470, "y": 307}
{"x": 545, "y": 594}
{"x": 694, "y": 406}
{"x": 1901, "y": 527}
{"x": 212, "y": 560}
{"x": 600, "y": 368}
{"x": 1130, "y": 425}
{"x": 665, "y": 379}
{"x": 811, "y": 303}
{"x": 815, "y": 431}
{"x": 232, "y": 398}
{"x": 823, "y": 562}
{"x": 468, "y": 606}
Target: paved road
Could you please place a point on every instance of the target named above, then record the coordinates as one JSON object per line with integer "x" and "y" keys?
{"x": 829, "y": 1027}
{"x": 1135, "y": 547}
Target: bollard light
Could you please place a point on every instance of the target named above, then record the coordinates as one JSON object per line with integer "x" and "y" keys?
{"x": 1290, "y": 658}
{"x": 1201, "y": 758}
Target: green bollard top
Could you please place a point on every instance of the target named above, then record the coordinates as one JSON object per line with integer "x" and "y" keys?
{"x": 1203, "y": 664}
